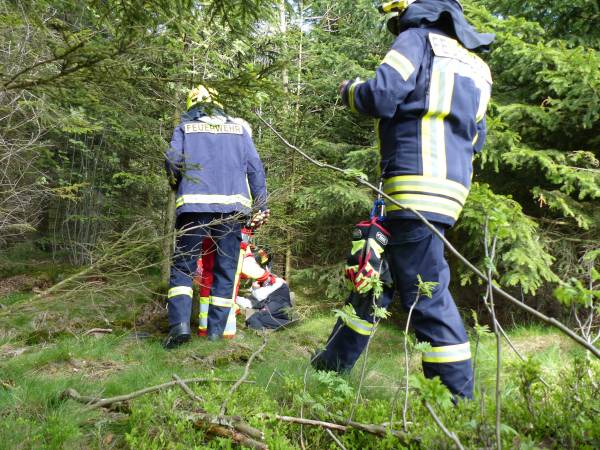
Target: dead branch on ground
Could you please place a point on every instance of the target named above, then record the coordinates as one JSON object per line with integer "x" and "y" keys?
{"x": 377, "y": 430}
{"x": 185, "y": 388}
{"x": 235, "y": 436}
{"x": 96, "y": 402}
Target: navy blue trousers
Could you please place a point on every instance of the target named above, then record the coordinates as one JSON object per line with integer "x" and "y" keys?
{"x": 413, "y": 250}
{"x": 193, "y": 228}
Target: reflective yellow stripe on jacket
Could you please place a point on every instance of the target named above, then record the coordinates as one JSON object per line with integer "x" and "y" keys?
{"x": 423, "y": 193}
{"x": 213, "y": 199}
{"x": 399, "y": 63}
{"x": 433, "y": 138}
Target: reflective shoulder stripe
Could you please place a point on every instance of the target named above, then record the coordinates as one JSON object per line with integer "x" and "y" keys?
{"x": 213, "y": 199}
{"x": 399, "y": 63}
{"x": 351, "y": 98}
{"x": 448, "y": 353}
{"x": 180, "y": 290}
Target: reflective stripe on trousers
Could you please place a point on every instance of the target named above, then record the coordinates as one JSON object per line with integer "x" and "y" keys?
{"x": 203, "y": 316}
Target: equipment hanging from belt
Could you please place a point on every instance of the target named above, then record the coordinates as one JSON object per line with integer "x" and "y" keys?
{"x": 365, "y": 264}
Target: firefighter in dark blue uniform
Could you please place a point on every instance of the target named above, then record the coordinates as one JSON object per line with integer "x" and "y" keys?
{"x": 429, "y": 98}
{"x": 218, "y": 175}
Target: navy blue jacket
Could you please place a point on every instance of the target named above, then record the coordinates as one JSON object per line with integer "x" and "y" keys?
{"x": 214, "y": 165}
{"x": 429, "y": 96}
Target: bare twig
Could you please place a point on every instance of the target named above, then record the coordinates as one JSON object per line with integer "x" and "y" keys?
{"x": 549, "y": 320}
{"x": 441, "y": 426}
{"x": 406, "y": 361}
{"x": 95, "y": 402}
{"x": 335, "y": 439}
{"x": 490, "y": 261}
{"x": 405, "y": 408}
{"x": 242, "y": 379}
{"x": 185, "y": 388}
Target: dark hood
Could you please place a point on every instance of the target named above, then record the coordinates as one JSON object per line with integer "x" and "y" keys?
{"x": 198, "y": 111}
{"x": 426, "y": 12}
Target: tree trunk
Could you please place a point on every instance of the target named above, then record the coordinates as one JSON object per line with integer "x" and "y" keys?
{"x": 168, "y": 236}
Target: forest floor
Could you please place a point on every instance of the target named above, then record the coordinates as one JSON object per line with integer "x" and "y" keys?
{"x": 49, "y": 346}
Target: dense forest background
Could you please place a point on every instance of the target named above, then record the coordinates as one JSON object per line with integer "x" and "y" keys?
{"x": 90, "y": 93}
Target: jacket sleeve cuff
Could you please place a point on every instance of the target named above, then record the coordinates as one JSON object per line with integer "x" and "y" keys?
{"x": 349, "y": 94}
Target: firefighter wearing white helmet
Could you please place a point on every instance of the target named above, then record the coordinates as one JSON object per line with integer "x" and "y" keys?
{"x": 429, "y": 96}
{"x": 218, "y": 176}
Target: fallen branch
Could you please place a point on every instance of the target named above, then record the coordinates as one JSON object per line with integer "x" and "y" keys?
{"x": 95, "y": 402}
{"x": 98, "y": 330}
{"x": 441, "y": 426}
{"x": 549, "y": 320}
{"x": 235, "y": 436}
{"x": 185, "y": 388}
{"x": 244, "y": 375}
{"x": 377, "y": 430}
{"x": 234, "y": 422}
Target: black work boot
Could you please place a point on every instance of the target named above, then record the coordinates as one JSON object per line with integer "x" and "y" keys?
{"x": 178, "y": 334}
{"x": 214, "y": 337}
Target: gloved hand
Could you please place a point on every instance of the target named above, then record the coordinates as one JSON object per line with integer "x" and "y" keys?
{"x": 258, "y": 219}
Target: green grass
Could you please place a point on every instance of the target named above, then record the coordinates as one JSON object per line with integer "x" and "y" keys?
{"x": 46, "y": 352}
